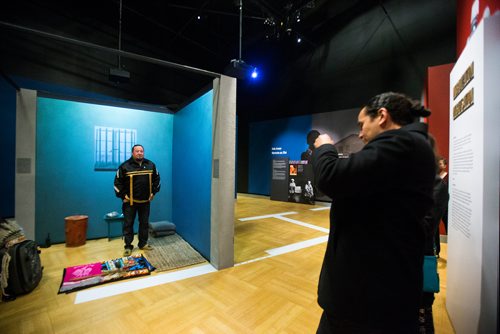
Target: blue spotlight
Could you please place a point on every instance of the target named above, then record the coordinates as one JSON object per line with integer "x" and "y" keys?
{"x": 255, "y": 74}
{"x": 241, "y": 70}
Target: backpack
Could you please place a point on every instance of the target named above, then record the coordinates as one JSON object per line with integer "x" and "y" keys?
{"x": 20, "y": 264}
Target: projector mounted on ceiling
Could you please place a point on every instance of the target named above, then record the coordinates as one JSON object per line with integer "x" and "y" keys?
{"x": 237, "y": 68}
{"x": 119, "y": 75}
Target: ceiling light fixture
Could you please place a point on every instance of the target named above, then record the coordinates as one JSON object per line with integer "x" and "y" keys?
{"x": 237, "y": 67}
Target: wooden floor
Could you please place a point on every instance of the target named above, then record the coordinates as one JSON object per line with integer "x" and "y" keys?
{"x": 273, "y": 294}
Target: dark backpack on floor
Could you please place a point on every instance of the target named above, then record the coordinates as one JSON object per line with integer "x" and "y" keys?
{"x": 23, "y": 269}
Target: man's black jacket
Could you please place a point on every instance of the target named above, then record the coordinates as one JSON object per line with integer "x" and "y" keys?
{"x": 372, "y": 270}
{"x": 137, "y": 181}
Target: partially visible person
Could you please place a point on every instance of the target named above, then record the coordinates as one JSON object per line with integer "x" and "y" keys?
{"x": 371, "y": 278}
{"x": 311, "y": 138}
{"x": 432, "y": 243}
{"x": 443, "y": 173}
{"x": 443, "y": 167}
{"x": 136, "y": 182}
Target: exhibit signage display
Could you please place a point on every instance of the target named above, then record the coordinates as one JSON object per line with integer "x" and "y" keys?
{"x": 274, "y": 140}
{"x": 279, "y": 179}
{"x": 301, "y": 180}
{"x": 473, "y": 233}
{"x": 292, "y": 181}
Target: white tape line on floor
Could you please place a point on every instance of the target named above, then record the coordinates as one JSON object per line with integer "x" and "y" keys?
{"x": 320, "y": 209}
{"x": 297, "y": 246}
{"x": 274, "y": 215}
{"x": 298, "y": 222}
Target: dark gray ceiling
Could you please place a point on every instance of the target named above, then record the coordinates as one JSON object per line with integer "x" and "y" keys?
{"x": 347, "y": 46}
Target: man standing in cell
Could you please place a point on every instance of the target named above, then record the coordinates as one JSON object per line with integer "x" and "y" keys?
{"x": 371, "y": 278}
{"x": 136, "y": 182}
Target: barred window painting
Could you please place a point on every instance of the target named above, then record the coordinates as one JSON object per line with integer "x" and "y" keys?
{"x": 112, "y": 146}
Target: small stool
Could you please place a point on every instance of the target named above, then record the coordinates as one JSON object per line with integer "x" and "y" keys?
{"x": 75, "y": 228}
{"x": 110, "y": 220}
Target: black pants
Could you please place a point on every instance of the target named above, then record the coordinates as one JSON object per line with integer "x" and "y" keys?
{"x": 129, "y": 213}
{"x": 427, "y": 299}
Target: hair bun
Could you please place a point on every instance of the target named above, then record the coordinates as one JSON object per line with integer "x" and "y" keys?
{"x": 420, "y": 110}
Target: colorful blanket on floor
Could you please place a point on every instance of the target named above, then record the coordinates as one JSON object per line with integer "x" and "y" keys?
{"x": 92, "y": 274}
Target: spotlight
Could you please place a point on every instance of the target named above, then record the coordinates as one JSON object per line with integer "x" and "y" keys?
{"x": 269, "y": 21}
{"x": 241, "y": 70}
{"x": 255, "y": 74}
{"x": 299, "y": 39}
{"x": 297, "y": 17}
{"x": 237, "y": 67}
{"x": 270, "y": 27}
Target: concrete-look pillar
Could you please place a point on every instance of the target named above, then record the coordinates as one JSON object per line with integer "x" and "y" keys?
{"x": 25, "y": 161}
{"x": 223, "y": 172}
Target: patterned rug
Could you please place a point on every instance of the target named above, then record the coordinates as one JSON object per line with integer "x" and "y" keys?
{"x": 171, "y": 252}
{"x": 97, "y": 273}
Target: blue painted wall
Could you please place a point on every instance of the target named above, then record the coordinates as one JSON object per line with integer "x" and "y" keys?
{"x": 8, "y": 142}
{"x": 66, "y": 182}
{"x": 8, "y": 133}
{"x": 283, "y": 137}
{"x": 192, "y": 170}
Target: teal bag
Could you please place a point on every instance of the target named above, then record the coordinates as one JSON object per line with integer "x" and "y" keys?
{"x": 431, "y": 276}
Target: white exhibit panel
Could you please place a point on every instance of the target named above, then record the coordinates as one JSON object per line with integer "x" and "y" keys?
{"x": 473, "y": 220}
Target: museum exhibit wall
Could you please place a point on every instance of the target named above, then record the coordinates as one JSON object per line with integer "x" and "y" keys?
{"x": 473, "y": 232}
{"x": 438, "y": 101}
{"x": 192, "y": 170}
{"x": 67, "y": 182}
{"x": 223, "y": 172}
{"x": 287, "y": 138}
{"x": 274, "y": 139}
{"x": 8, "y": 120}
{"x": 57, "y": 174}
{"x": 203, "y": 172}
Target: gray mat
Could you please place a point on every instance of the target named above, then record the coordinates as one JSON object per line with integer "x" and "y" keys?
{"x": 171, "y": 252}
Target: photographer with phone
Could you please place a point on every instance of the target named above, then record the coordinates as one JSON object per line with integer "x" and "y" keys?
{"x": 371, "y": 278}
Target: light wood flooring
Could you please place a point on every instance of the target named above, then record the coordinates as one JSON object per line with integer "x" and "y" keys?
{"x": 274, "y": 294}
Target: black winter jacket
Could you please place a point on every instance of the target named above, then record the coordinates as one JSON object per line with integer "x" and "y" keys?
{"x": 137, "y": 181}
{"x": 372, "y": 270}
